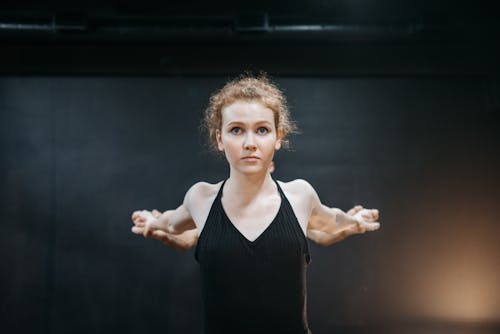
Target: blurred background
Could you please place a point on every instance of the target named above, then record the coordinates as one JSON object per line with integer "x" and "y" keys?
{"x": 100, "y": 107}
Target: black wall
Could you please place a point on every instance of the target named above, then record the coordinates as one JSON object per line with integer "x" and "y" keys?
{"x": 79, "y": 154}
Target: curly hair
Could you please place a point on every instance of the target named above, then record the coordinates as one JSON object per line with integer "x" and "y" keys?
{"x": 247, "y": 87}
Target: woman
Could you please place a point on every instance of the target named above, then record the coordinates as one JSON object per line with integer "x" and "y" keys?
{"x": 252, "y": 246}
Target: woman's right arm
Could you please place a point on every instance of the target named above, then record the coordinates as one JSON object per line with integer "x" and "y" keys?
{"x": 171, "y": 221}
{"x": 180, "y": 242}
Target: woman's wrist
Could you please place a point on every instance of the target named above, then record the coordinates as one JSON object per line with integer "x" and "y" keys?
{"x": 342, "y": 219}
{"x": 162, "y": 222}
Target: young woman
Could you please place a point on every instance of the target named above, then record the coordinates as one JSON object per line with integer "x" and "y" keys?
{"x": 250, "y": 230}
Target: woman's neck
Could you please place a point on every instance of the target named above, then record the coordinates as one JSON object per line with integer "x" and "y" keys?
{"x": 248, "y": 187}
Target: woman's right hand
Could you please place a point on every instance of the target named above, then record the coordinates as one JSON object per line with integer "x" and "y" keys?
{"x": 180, "y": 242}
{"x": 145, "y": 223}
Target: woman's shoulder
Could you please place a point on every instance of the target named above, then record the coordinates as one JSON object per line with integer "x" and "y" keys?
{"x": 199, "y": 199}
{"x": 300, "y": 194}
{"x": 203, "y": 189}
{"x": 297, "y": 185}
{"x": 298, "y": 189}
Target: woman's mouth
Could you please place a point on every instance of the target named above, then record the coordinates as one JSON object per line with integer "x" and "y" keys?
{"x": 251, "y": 158}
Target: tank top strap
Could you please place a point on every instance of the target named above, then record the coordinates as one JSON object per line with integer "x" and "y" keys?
{"x": 284, "y": 198}
{"x": 213, "y": 214}
{"x": 279, "y": 188}
{"x": 216, "y": 209}
{"x": 219, "y": 193}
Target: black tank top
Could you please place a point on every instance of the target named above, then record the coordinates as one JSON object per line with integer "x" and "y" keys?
{"x": 253, "y": 287}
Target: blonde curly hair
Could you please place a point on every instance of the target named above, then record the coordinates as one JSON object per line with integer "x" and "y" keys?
{"x": 250, "y": 88}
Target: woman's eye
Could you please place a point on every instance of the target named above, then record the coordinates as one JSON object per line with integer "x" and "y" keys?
{"x": 262, "y": 131}
{"x": 236, "y": 130}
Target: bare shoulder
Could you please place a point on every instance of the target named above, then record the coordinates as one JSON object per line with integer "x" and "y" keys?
{"x": 199, "y": 199}
{"x": 202, "y": 190}
{"x": 301, "y": 196}
{"x": 298, "y": 187}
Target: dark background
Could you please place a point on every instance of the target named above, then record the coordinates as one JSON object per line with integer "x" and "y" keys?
{"x": 100, "y": 105}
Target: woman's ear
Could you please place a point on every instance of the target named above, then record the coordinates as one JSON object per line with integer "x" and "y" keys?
{"x": 219, "y": 140}
{"x": 277, "y": 145}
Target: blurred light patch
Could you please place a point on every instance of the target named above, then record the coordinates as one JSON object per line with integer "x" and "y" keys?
{"x": 448, "y": 267}
{"x": 466, "y": 291}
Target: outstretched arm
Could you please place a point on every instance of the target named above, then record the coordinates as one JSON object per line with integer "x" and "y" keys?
{"x": 171, "y": 221}
{"x": 180, "y": 242}
{"x": 330, "y": 225}
{"x": 327, "y": 239}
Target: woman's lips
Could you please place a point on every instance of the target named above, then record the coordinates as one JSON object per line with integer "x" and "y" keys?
{"x": 251, "y": 158}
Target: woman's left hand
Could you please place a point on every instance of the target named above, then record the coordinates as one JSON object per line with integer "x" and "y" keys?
{"x": 367, "y": 220}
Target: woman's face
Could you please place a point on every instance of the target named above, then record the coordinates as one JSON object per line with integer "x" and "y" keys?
{"x": 248, "y": 136}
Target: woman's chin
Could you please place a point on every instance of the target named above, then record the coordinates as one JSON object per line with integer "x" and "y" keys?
{"x": 251, "y": 170}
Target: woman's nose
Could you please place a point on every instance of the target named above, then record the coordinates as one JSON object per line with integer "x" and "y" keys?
{"x": 249, "y": 143}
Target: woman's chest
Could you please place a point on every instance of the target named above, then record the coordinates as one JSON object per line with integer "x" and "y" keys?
{"x": 254, "y": 218}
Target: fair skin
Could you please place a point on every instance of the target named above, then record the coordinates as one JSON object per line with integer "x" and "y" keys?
{"x": 189, "y": 238}
{"x": 249, "y": 138}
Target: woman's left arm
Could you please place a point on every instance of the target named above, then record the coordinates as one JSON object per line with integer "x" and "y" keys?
{"x": 327, "y": 239}
{"x": 335, "y": 225}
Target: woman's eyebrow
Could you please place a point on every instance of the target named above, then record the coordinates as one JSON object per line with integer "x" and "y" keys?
{"x": 239, "y": 122}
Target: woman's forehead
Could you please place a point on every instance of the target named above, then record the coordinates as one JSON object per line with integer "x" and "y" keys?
{"x": 247, "y": 112}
